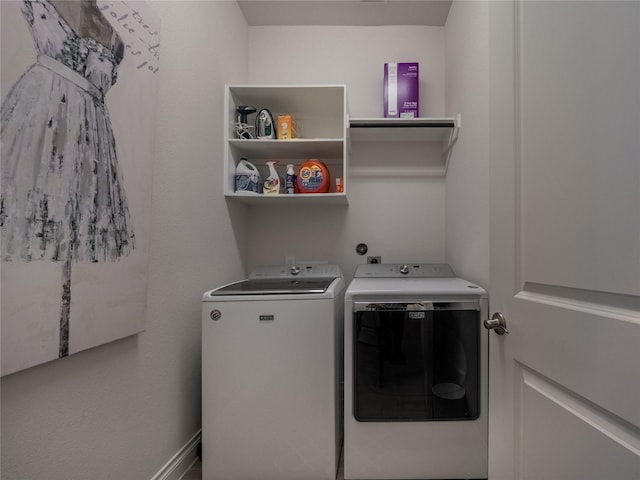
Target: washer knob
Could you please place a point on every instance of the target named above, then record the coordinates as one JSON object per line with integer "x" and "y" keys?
{"x": 295, "y": 269}
{"x": 404, "y": 269}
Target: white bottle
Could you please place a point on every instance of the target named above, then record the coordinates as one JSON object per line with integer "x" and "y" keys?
{"x": 272, "y": 183}
{"x": 290, "y": 183}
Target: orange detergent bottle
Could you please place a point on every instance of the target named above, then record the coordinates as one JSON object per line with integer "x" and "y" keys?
{"x": 313, "y": 177}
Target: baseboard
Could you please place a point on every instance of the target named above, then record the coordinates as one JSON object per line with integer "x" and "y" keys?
{"x": 181, "y": 462}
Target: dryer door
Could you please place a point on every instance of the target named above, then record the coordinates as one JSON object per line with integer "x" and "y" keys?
{"x": 416, "y": 361}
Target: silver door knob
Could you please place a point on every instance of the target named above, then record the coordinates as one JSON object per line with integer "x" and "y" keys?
{"x": 498, "y": 323}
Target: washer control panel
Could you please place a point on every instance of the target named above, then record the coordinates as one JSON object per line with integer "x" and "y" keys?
{"x": 312, "y": 270}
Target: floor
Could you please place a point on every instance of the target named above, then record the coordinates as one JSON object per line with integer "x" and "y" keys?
{"x": 195, "y": 473}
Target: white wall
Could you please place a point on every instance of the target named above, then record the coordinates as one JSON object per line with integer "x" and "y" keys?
{"x": 401, "y": 219}
{"x": 123, "y": 409}
{"x": 467, "y": 190}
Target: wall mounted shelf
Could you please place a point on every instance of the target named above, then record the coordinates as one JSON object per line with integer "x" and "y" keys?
{"x": 442, "y": 130}
{"x": 295, "y": 148}
{"x": 320, "y": 114}
{"x": 326, "y": 199}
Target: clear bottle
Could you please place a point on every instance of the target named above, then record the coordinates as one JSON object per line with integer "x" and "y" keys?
{"x": 290, "y": 181}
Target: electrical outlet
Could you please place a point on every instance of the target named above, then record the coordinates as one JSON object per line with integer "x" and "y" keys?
{"x": 290, "y": 260}
{"x": 374, "y": 259}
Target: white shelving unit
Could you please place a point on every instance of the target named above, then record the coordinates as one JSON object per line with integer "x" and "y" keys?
{"x": 320, "y": 112}
{"x": 421, "y": 130}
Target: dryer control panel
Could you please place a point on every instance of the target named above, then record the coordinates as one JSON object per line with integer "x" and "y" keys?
{"x": 398, "y": 270}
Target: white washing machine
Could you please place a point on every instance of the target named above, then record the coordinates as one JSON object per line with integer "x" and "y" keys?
{"x": 416, "y": 374}
{"x": 271, "y": 375}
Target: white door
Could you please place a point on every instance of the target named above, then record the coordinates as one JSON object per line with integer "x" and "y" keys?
{"x": 565, "y": 240}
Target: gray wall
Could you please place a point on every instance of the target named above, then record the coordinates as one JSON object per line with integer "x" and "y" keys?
{"x": 401, "y": 218}
{"x": 467, "y": 196}
{"x": 122, "y": 410}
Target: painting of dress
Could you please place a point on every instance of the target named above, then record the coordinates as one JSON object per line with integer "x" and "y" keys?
{"x": 77, "y": 153}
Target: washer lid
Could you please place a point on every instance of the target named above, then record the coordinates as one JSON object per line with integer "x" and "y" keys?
{"x": 275, "y": 286}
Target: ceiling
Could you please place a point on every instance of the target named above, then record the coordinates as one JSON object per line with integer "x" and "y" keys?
{"x": 345, "y": 12}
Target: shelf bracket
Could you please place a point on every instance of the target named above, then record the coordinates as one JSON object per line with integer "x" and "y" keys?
{"x": 452, "y": 139}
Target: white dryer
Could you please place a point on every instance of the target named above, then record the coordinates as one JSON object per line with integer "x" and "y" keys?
{"x": 271, "y": 375}
{"x": 416, "y": 374}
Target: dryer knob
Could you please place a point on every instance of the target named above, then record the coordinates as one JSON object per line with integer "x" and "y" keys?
{"x": 404, "y": 269}
{"x": 295, "y": 270}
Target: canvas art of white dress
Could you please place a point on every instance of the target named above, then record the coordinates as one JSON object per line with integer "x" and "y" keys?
{"x": 63, "y": 198}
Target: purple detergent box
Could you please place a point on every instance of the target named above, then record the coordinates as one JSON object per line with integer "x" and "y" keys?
{"x": 401, "y": 96}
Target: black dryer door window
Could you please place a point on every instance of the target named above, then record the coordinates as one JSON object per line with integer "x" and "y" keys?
{"x": 416, "y": 361}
